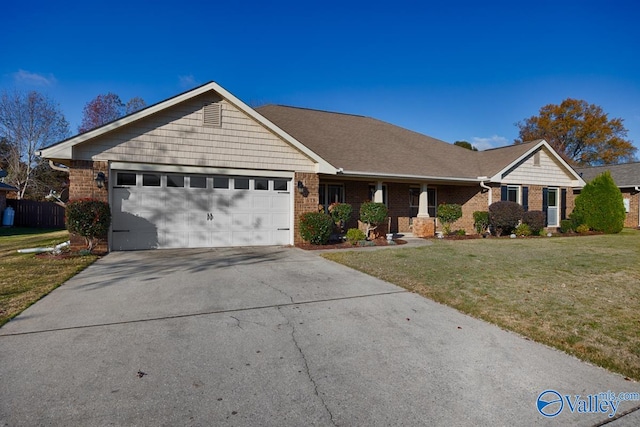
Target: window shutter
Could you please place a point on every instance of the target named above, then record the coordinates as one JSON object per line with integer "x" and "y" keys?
{"x": 525, "y": 198}
{"x": 545, "y": 204}
{"x": 503, "y": 193}
{"x": 563, "y": 203}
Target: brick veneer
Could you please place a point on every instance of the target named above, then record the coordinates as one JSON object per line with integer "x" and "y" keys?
{"x": 308, "y": 201}
{"x": 82, "y": 185}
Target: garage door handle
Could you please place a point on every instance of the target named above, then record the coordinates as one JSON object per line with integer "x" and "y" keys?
{"x": 279, "y": 229}
{"x": 120, "y": 231}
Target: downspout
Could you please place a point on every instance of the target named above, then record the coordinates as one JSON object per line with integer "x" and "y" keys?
{"x": 486, "y": 187}
{"x": 58, "y": 168}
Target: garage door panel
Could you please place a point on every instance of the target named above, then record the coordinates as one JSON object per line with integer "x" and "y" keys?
{"x": 202, "y": 216}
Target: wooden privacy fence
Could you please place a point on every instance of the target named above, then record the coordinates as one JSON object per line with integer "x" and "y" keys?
{"x": 37, "y": 214}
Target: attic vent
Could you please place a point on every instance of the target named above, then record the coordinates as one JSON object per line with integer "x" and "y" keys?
{"x": 212, "y": 114}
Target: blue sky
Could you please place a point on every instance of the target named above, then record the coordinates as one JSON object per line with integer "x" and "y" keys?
{"x": 464, "y": 70}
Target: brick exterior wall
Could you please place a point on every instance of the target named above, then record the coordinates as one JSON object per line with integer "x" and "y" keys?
{"x": 82, "y": 185}
{"x": 306, "y": 202}
{"x": 470, "y": 198}
{"x": 631, "y": 220}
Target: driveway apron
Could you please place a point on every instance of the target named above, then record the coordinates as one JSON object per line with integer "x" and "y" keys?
{"x": 277, "y": 337}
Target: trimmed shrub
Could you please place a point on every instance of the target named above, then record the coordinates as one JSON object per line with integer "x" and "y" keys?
{"x": 340, "y": 213}
{"x": 448, "y": 214}
{"x": 600, "y": 205}
{"x": 523, "y": 230}
{"x": 535, "y": 220}
{"x": 583, "y": 229}
{"x": 354, "y": 235}
{"x": 480, "y": 221}
{"x": 504, "y": 216}
{"x": 372, "y": 214}
{"x": 316, "y": 227}
{"x": 566, "y": 226}
{"x": 88, "y": 218}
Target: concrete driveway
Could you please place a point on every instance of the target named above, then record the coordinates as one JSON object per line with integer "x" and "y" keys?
{"x": 272, "y": 336}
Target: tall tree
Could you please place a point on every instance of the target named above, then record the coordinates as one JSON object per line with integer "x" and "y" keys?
{"x": 106, "y": 108}
{"x": 28, "y": 122}
{"x": 580, "y": 132}
{"x": 465, "y": 144}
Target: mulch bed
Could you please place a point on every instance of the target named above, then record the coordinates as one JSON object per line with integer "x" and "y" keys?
{"x": 346, "y": 245}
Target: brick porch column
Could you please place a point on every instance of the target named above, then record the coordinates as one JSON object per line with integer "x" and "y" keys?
{"x": 423, "y": 224}
{"x": 308, "y": 201}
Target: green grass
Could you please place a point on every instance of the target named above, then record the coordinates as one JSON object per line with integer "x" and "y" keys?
{"x": 578, "y": 294}
{"x": 25, "y": 278}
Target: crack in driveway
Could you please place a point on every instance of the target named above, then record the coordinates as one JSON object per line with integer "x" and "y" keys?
{"x": 306, "y": 366}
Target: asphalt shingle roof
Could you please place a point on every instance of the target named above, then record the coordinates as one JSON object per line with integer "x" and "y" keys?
{"x": 624, "y": 175}
{"x": 363, "y": 144}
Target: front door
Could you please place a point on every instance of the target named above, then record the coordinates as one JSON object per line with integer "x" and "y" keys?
{"x": 552, "y": 207}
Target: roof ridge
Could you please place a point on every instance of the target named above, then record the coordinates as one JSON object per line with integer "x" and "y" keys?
{"x": 313, "y": 109}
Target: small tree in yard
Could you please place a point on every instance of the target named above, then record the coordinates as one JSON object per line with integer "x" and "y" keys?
{"x": 88, "y": 218}
{"x": 481, "y": 221}
{"x": 504, "y": 216}
{"x": 373, "y": 214}
{"x": 341, "y": 213}
{"x": 600, "y": 205}
{"x": 448, "y": 214}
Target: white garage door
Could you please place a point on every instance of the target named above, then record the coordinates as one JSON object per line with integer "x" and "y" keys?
{"x": 163, "y": 210}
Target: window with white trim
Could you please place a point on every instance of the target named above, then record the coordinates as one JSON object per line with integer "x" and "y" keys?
{"x": 330, "y": 193}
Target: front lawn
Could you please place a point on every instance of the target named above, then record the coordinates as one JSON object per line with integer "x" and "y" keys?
{"x": 25, "y": 278}
{"x": 578, "y": 294}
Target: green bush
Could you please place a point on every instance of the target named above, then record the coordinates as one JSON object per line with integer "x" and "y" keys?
{"x": 600, "y": 205}
{"x": 535, "y": 220}
{"x": 582, "y": 229}
{"x": 461, "y": 232}
{"x": 88, "y": 218}
{"x": 523, "y": 230}
{"x": 354, "y": 235}
{"x": 316, "y": 227}
{"x": 504, "y": 216}
{"x": 340, "y": 213}
{"x": 448, "y": 214}
{"x": 566, "y": 226}
{"x": 372, "y": 214}
{"x": 480, "y": 221}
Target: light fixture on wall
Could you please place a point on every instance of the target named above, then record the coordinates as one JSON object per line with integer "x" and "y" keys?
{"x": 300, "y": 187}
{"x": 101, "y": 179}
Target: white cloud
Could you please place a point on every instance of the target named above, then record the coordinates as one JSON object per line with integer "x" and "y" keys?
{"x": 187, "y": 82}
{"x": 35, "y": 79}
{"x": 491, "y": 142}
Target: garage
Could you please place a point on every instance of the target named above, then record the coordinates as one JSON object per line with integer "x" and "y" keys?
{"x": 158, "y": 210}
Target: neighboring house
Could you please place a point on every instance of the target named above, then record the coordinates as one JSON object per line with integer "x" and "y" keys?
{"x": 627, "y": 178}
{"x": 4, "y": 189}
{"x": 203, "y": 169}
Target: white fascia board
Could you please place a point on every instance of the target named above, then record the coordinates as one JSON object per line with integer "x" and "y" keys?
{"x": 576, "y": 178}
{"x": 440, "y": 179}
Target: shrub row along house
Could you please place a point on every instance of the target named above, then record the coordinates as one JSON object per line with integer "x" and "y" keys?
{"x": 203, "y": 169}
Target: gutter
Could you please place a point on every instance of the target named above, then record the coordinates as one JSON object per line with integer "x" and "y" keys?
{"x": 374, "y": 175}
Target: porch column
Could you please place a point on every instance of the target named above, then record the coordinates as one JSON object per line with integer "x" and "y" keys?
{"x": 423, "y": 203}
{"x": 378, "y": 195}
{"x": 423, "y": 225}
